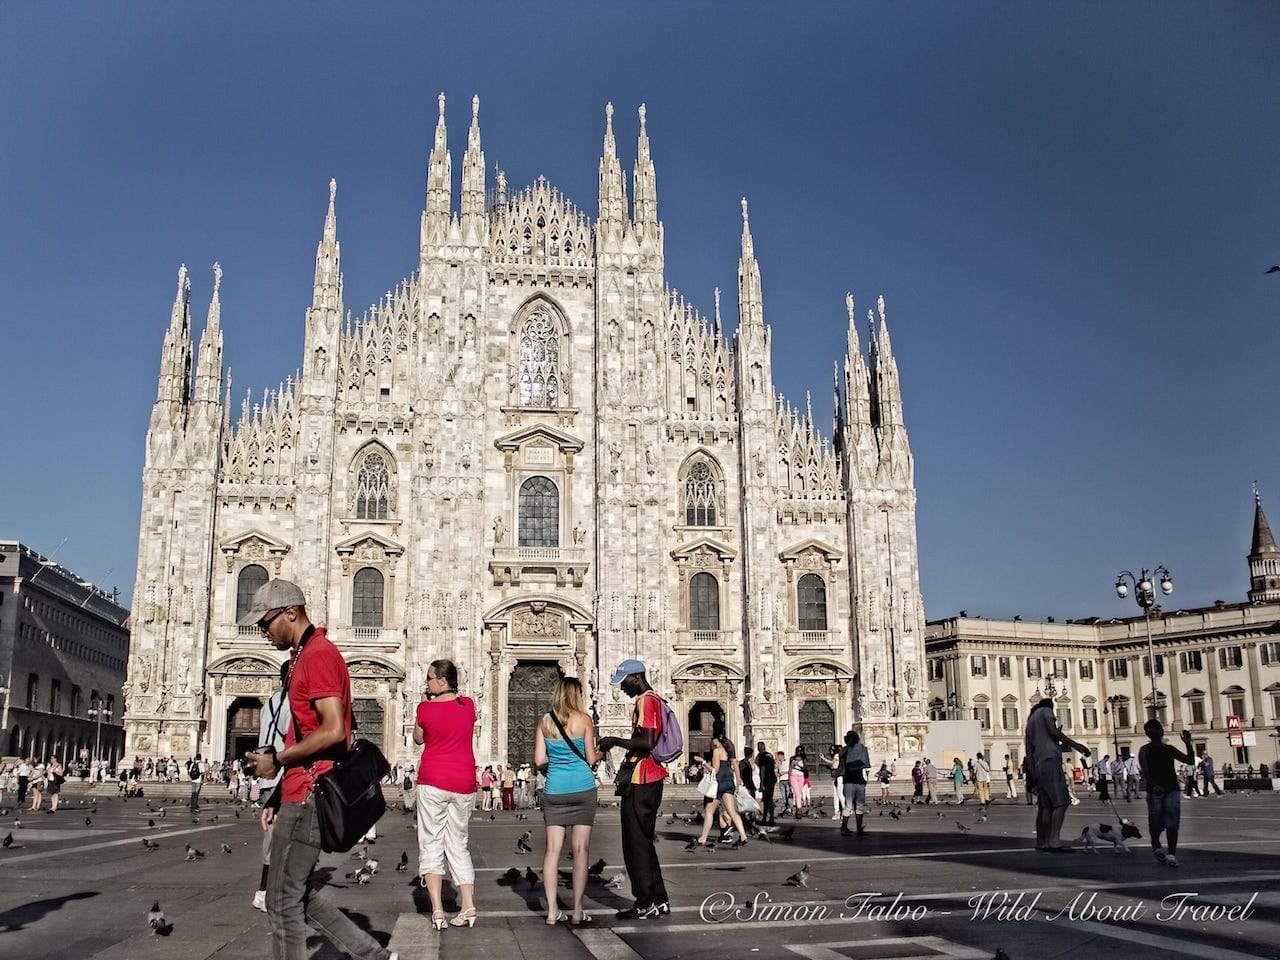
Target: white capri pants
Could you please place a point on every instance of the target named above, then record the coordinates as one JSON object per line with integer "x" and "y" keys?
{"x": 444, "y": 818}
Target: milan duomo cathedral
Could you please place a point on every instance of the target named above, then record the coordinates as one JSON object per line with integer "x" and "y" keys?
{"x": 533, "y": 456}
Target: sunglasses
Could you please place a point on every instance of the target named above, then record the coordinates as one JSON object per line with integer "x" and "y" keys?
{"x": 266, "y": 622}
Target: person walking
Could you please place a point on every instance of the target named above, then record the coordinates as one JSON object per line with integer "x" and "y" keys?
{"x": 930, "y": 781}
{"x": 1010, "y": 778}
{"x": 982, "y": 779}
{"x": 917, "y": 783}
{"x": 883, "y": 776}
{"x": 1044, "y": 741}
{"x": 799, "y": 773}
{"x": 641, "y": 779}
{"x": 836, "y": 767}
{"x": 197, "y": 781}
{"x": 24, "y": 780}
{"x": 1104, "y": 771}
{"x": 39, "y": 779}
{"x": 274, "y": 719}
{"x": 728, "y": 779}
{"x": 55, "y": 779}
{"x": 766, "y": 765}
{"x": 444, "y": 727}
{"x": 957, "y": 779}
{"x": 566, "y": 748}
{"x": 855, "y": 762}
{"x": 784, "y": 781}
{"x": 1164, "y": 802}
{"x": 1210, "y": 779}
{"x": 319, "y": 692}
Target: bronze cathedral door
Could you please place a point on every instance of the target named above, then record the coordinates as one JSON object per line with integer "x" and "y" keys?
{"x": 528, "y": 699}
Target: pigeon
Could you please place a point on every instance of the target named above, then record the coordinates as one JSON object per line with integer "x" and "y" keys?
{"x": 88, "y": 821}
{"x": 939, "y": 814}
{"x": 226, "y": 848}
{"x": 193, "y": 853}
{"x": 1274, "y": 269}
{"x": 596, "y": 869}
{"x": 800, "y": 879}
{"x": 150, "y": 845}
{"x": 523, "y": 845}
{"x": 156, "y": 921}
{"x": 787, "y": 834}
{"x": 963, "y": 828}
{"x": 372, "y": 866}
{"x": 151, "y": 823}
{"x": 162, "y": 813}
{"x": 361, "y": 876}
{"x": 215, "y": 818}
{"x": 982, "y": 818}
{"x": 8, "y": 840}
{"x": 510, "y": 877}
{"x": 403, "y": 865}
{"x": 361, "y": 854}
{"x": 762, "y": 835}
{"x": 895, "y": 814}
{"x": 1000, "y": 954}
{"x": 493, "y": 816}
{"x": 530, "y": 877}
{"x": 237, "y": 814}
{"x": 615, "y": 882}
{"x": 521, "y": 816}
{"x": 17, "y": 823}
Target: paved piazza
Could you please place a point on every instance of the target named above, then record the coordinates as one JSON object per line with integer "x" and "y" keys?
{"x": 914, "y": 887}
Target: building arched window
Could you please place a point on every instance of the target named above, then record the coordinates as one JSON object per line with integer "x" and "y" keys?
{"x": 539, "y": 513}
{"x": 539, "y": 376}
{"x": 366, "y": 598}
{"x": 704, "y": 602}
{"x": 372, "y": 499}
{"x": 811, "y": 591}
{"x": 700, "y": 496}
{"x": 251, "y": 578}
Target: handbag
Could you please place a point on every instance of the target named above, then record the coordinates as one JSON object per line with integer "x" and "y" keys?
{"x": 707, "y": 785}
{"x": 746, "y": 802}
{"x": 348, "y": 797}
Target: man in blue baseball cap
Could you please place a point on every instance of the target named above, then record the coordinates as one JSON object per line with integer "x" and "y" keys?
{"x": 640, "y": 781}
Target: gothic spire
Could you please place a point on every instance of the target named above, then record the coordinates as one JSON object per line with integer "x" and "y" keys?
{"x": 1263, "y": 541}
{"x": 644, "y": 187}
{"x": 209, "y": 360}
{"x": 888, "y": 394}
{"x": 326, "y": 290}
{"x": 473, "y": 172}
{"x": 175, "y": 358}
{"x": 439, "y": 171}
{"x": 178, "y": 317}
{"x": 750, "y": 307}
{"x": 613, "y": 192}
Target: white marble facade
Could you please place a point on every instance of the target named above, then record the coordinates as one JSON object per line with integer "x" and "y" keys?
{"x": 530, "y": 452}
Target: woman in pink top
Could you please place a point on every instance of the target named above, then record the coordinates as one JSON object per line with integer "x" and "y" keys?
{"x": 446, "y": 786}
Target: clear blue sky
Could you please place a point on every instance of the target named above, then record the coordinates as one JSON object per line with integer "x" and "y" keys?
{"x": 1067, "y": 207}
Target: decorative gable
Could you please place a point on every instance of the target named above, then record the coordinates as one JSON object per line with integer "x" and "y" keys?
{"x": 254, "y": 545}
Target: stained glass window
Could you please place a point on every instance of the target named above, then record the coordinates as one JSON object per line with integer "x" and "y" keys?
{"x": 539, "y": 381}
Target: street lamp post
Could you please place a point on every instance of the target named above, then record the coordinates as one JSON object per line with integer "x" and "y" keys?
{"x": 1112, "y": 709}
{"x": 98, "y": 711}
{"x": 1145, "y": 595}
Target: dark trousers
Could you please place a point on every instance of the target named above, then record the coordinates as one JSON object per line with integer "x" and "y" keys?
{"x": 22, "y": 789}
{"x": 766, "y": 805}
{"x": 639, "y": 825}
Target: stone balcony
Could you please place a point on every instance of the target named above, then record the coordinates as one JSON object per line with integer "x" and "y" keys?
{"x": 707, "y": 641}
{"x": 797, "y": 642}
{"x": 562, "y": 566}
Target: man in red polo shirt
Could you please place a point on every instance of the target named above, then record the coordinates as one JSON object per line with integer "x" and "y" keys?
{"x": 642, "y": 796}
{"x": 319, "y": 690}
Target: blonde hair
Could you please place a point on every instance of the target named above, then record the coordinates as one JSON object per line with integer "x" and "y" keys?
{"x": 566, "y": 700}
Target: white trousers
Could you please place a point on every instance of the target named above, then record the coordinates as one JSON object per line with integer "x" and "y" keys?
{"x": 444, "y": 819}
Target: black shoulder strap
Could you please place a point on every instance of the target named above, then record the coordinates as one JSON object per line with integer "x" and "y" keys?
{"x": 565, "y": 735}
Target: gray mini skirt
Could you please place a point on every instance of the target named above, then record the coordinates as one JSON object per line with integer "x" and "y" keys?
{"x": 569, "y": 809}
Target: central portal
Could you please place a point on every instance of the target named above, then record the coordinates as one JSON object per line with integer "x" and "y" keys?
{"x": 528, "y": 700}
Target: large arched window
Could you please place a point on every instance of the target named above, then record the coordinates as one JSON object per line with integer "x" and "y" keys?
{"x": 372, "y": 498}
{"x": 812, "y": 594}
{"x": 700, "y": 496}
{"x": 251, "y": 578}
{"x": 704, "y": 602}
{"x": 366, "y": 598}
{"x": 539, "y": 378}
{"x": 539, "y": 513}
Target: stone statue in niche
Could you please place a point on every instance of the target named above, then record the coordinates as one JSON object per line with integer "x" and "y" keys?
{"x": 499, "y": 531}
{"x": 648, "y": 459}
{"x": 768, "y": 680}
{"x": 184, "y": 672}
{"x": 876, "y": 691}
{"x": 322, "y": 362}
{"x": 910, "y": 677}
{"x": 579, "y": 534}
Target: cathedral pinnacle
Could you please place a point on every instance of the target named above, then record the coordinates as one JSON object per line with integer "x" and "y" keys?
{"x": 182, "y": 298}
{"x": 215, "y": 308}
{"x": 748, "y": 248}
{"x": 473, "y": 137}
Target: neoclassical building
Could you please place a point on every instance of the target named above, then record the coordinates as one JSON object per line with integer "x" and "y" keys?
{"x": 533, "y": 456}
{"x": 1212, "y": 664}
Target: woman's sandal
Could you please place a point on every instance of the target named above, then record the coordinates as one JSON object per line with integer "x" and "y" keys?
{"x": 585, "y": 921}
{"x": 438, "y": 920}
{"x": 467, "y": 918}
{"x": 561, "y": 917}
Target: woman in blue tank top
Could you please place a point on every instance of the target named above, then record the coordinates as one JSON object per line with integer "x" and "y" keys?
{"x": 566, "y": 749}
